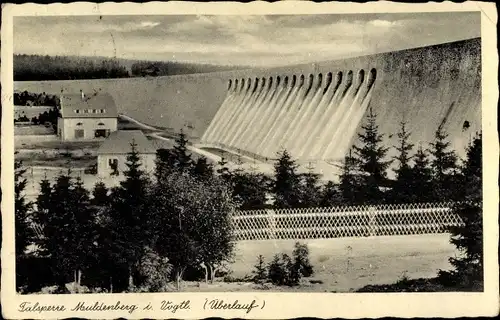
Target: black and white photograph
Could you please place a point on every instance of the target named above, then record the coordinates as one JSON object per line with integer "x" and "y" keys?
{"x": 258, "y": 153}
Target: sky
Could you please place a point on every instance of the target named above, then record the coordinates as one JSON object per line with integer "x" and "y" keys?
{"x": 261, "y": 41}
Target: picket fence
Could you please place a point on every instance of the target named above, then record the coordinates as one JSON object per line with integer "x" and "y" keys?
{"x": 345, "y": 221}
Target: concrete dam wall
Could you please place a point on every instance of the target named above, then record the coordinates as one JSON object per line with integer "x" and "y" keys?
{"x": 313, "y": 110}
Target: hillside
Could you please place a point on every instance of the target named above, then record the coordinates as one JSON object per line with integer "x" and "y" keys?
{"x": 39, "y": 68}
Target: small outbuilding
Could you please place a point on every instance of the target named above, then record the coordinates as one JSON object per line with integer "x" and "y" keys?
{"x": 112, "y": 153}
{"x": 87, "y": 117}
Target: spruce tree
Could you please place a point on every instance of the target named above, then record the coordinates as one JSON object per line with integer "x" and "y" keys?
{"x": 223, "y": 171}
{"x": 330, "y": 195}
{"x": 100, "y": 195}
{"x": 260, "y": 270}
{"x": 444, "y": 167}
{"x": 372, "y": 165}
{"x": 165, "y": 163}
{"x": 249, "y": 189}
{"x": 402, "y": 191}
{"x": 83, "y": 228}
{"x": 468, "y": 238}
{"x": 42, "y": 213}
{"x": 349, "y": 181}
{"x": 421, "y": 175}
{"x": 311, "y": 190}
{"x": 202, "y": 169}
{"x": 181, "y": 157}
{"x": 24, "y": 232}
{"x": 129, "y": 216}
{"x": 286, "y": 186}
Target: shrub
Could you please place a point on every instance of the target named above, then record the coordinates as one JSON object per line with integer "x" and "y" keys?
{"x": 277, "y": 273}
{"x": 282, "y": 272}
{"x": 260, "y": 270}
{"x": 155, "y": 271}
{"x": 302, "y": 265}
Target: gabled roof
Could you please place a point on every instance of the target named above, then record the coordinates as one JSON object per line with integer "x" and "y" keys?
{"x": 96, "y": 105}
{"x": 119, "y": 142}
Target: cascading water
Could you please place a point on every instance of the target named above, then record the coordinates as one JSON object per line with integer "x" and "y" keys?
{"x": 331, "y": 88}
{"x": 362, "y": 104}
{"x": 332, "y": 124}
{"x": 236, "y": 106}
{"x": 269, "y": 147}
{"x": 290, "y": 115}
{"x": 242, "y": 110}
{"x": 304, "y": 125}
{"x": 312, "y": 87}
{"x": 261, "y": 113}
{"x": 248, "y": 116}
{"x": 274, "y": 107}
{"x": 278, "y": 115}
{"x": 218, "y": 120}
{"x": 346, "y": 120}
{"x": 314, "y": 118}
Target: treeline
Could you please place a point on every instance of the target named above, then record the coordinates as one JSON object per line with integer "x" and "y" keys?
{"x": 38, "y": 68}
{"x": 176, "y": 224}
{"x": 161, "y": 68}
{"x": 26, "y": 98}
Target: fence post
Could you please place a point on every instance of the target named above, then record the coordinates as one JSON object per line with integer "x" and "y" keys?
{"x": 272, "y": 224}
{"x": 372, "y": 223}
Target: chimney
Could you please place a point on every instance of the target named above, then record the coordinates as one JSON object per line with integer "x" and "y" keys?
{"x": 83, "y": 94}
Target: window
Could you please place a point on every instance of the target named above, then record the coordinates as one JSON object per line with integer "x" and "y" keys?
{"x": 113, "y": 165}
{"x": 94, "y": 111}
{"x": 100, "y": 124}
{"x": 79, "y": 134}
{"x": 77, "y": 111}
{"x": 79, "y": 124}
{"x": 103, "y": 110}
{"x": 101, "y": 133}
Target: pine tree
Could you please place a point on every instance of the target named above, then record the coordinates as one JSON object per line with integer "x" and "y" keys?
{"x": 371, "y": 156}
{"x": 468, "y": 238}
{"x": 311, "y": 190}
{"x": 330, "y": 195}
{"x": 444, "y": 166}
{"x": 223, "y": 171}
{"x": 83, "y": 228}
{"x": 249, "y": 189}
{"x": 402, "y": 191}
{"x": 182, "y": 159}
{"x": 202, "y": 169}
{"x": 260, "y": 270}
{"x": 42, "y": 212}
{"x": 349, "y": 181}
{"x": 286, "y": 186}
{"x": 100, "y": 195}
{"x": 129, "y": 216}
{"x": 24, "y": 232}
{"x": 165, "y": 163}
{"x": 421, "y": 176}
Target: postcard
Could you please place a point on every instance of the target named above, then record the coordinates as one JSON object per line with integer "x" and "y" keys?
{"x": 249, "y": 160}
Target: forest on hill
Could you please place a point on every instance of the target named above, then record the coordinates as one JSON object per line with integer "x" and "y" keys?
{"x": 39, "y": 68}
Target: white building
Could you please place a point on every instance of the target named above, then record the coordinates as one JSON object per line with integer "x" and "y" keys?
{"x": 112, "y": 154}
{"x": 87, "y": 117}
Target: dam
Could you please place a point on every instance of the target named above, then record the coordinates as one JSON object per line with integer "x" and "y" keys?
{"x": 315, "y": 110}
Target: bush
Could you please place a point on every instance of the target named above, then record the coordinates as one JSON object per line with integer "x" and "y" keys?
{"x": 282, "y": 272}
{"x": 302, "y": 265}
{"x": 260, "y": 270}
{"x": 155, "y": 271}
{"x": 277, "y": 273}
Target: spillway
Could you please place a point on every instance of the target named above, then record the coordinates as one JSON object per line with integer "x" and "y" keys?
{"x": 313, "y": 110}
